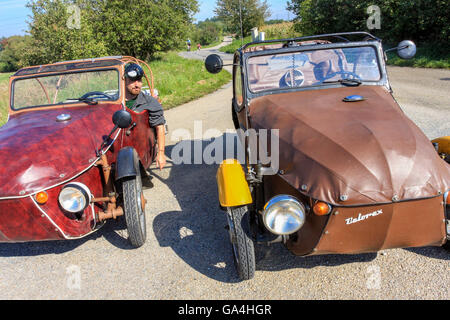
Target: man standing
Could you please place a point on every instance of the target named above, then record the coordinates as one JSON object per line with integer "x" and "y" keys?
{"x": 137, "y": 101}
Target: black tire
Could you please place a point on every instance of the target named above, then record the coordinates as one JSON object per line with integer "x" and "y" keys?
{"x": 446, "y": 245}
{"x": 134, "y": 212}
{"x": 234, "y": 117}
{"x": 242, "y": 245}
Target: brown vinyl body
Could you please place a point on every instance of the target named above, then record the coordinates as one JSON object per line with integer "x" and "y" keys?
{"x": 367, "y": 151}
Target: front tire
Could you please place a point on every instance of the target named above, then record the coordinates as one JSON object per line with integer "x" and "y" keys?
{"x": 242, "y": 245}
{"x": 134, "y": 210}
{"x": 234, "y": 117}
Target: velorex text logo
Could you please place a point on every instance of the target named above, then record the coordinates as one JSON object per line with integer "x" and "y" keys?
{"x": 363, "y": 217}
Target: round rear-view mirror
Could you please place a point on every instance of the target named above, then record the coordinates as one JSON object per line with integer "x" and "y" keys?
{"x": 406, "y": 49}
{"x": 214, "y": 63}
{"x": 122, "y": 119}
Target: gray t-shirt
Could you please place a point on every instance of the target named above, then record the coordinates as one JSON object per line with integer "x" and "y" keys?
{"x": 155, "y": 110}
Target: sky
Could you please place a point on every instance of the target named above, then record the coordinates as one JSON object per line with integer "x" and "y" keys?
{"x": 277, "y": 8}
{"x": 14, "y": 14}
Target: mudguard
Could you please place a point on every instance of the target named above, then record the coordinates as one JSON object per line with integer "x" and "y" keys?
{"x": 232, "y": 185}
{"x": 127, "y": 163}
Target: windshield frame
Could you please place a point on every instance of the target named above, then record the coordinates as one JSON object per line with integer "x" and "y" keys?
{"x": 376, "y": 45}
{"x": 69, "y": 104}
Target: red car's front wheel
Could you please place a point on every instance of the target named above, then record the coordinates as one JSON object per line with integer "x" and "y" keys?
{"x": 134, "y": 210}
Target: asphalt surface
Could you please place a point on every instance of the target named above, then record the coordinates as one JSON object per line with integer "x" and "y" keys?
{"x": 187, "y": 254}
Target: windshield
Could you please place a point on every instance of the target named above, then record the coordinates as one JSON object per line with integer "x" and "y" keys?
{"x": 87, "y": 86}
{"x": 311, "y": 68}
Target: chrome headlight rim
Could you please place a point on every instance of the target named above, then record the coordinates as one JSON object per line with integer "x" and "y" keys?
{"x": 289, "y": 200}
{"x": 82, "y": 189}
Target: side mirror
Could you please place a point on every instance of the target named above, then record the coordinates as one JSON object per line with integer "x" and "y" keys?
{"x": 406, "y": 49}
{"x": 214, "y": 63}
{"x": 122, "y": 119}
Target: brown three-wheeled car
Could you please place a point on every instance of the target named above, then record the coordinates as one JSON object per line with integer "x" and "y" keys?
{"x": 349, "y": 172}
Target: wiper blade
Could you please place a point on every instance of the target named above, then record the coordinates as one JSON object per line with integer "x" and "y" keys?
{"x": 346, "y": 82}
{"x": 85, "y": 100}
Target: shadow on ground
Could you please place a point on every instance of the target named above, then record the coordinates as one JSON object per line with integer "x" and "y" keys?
{"x": 197, "y": 234}
{"x": 113, "y": 231}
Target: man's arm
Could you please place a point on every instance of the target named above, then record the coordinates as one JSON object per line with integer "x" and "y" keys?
{"x": 161, "y": 138}
{"x": 157, "y": 121}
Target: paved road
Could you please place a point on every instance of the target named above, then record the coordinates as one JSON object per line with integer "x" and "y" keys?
{"x": 202, "y": 54}
{"x": 187, "y": 254}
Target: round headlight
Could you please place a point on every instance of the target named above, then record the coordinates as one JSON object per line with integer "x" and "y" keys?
{"x": 74, "y": 197}
{"x": 284, "y": 215}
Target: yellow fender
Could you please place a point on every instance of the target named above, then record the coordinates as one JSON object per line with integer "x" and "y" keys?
{"x": 232, "y": 185}
{"x": 444, "y": 144}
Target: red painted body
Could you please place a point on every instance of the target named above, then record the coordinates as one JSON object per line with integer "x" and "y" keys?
{"x": 39, "y": 153}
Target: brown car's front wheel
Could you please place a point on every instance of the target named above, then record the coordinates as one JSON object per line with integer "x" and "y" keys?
{"x": 446, "y": 245}
{"x": 243, "y": 246}
{"x": 134, "y": 210}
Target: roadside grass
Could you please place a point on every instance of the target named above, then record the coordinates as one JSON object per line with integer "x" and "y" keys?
{"x": 180, "y": 80}
{"x": 4, "y": 96}
{"x": 274, "y": 31}
{"x": 177, "y": 80}
{"x": 235, "y": 44}
{"x": 428, "y": 56}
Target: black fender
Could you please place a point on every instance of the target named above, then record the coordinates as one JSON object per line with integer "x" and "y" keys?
{"x": 127, "y": 163}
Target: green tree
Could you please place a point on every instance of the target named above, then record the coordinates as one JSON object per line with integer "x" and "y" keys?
{"x": 419, "y": 20}
{"x": 3, "y": 43}
{"x": 141, "y": 27}
{"x": 77, "y": 29}
{"x": 206, "y": 32}
{"x": 63, "y": 30}
{"x": 12, "y": 57}
{"x": 252, "y": 13}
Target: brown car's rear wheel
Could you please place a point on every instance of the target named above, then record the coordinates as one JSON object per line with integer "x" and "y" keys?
{"x": 243, "y": 246}
{"x": 446, "y": 245}
{"x": 134, "y": 210}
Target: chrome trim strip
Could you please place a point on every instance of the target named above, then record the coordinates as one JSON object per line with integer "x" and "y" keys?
{"x": 58, "y": 228}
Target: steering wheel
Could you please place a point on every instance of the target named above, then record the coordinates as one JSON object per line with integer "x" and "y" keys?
{"x": 345, "y": 75}
{"x": 292, "y": 78}
{"x": 97, "y": 93}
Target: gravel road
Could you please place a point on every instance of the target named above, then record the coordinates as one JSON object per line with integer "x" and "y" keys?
{"x": 187, "y": 254}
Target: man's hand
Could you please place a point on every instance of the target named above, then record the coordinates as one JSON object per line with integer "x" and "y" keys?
{"x": 161, "y": 160}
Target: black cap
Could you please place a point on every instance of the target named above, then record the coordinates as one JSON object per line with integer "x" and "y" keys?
{"x": 134, "y": 72}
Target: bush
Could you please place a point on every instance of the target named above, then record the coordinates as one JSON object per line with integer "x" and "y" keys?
{"x": 418, "y": 20}
{"x": 206, "y": 32}
{"x": 3, "y": 67}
